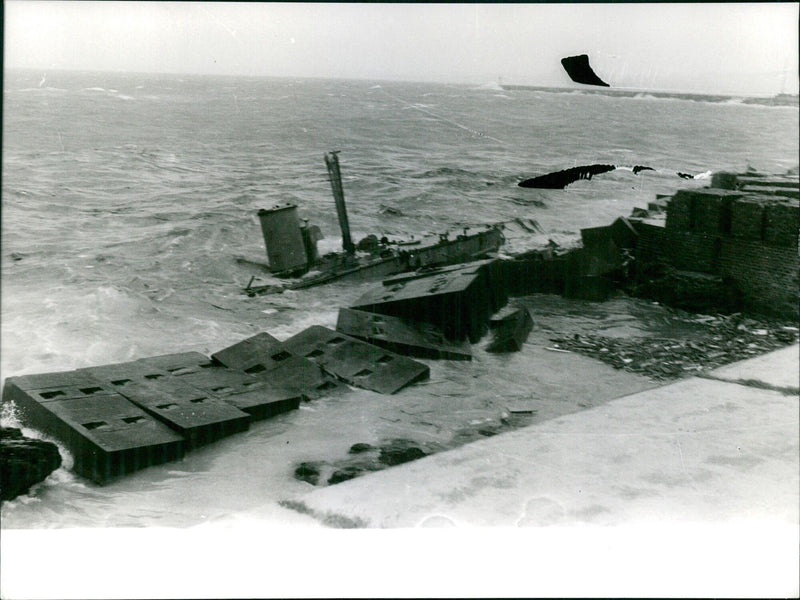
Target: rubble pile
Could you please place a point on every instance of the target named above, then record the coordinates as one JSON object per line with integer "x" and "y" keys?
{"x": 726, "y": 340}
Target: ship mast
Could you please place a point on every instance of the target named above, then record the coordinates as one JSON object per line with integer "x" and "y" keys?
{"x": 332, "y": 162}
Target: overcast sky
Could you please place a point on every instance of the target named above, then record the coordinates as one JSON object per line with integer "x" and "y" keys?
{"x": 725, "y": 48}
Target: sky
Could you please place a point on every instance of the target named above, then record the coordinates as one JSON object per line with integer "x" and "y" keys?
{"x": 712, "y": 48}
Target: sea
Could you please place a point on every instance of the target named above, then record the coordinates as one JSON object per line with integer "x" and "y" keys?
{"x": 129, "y": 229}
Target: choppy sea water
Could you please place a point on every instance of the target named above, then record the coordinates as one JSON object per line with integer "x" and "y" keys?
{"x": 128, "y": 201}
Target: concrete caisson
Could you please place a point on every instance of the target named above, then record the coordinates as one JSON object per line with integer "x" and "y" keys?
{"x": 107, "y": 435}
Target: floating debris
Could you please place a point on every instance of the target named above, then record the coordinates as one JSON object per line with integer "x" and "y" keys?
{"x": 728, "y": 339}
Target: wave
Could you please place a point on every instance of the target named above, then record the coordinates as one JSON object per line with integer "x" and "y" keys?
{"x": 445, "y": 172}
{"x": 44, "y": 89}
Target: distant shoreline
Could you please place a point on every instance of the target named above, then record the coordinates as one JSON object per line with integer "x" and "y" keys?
{"x": 781, "y": 99}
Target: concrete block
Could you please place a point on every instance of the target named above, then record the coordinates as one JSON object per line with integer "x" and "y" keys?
{"x": 777, "y": 191}
{"x": 256, "y": 396}
{"x": 219, "y": 380}
{"x": 535, "y": 275}
{"x": 624, "y": 233}
{"x": 724, "y": 180}
{"x": 659, "y": 206}
{"x": 265, "y": 401}
{"x": 199, "y": 416}
{"x": 754, "y": 182}
{"x": 411, "y": 338}
{"x": 356, "y": 362}
{"x": 705, "y": 210}
{"x": 183, "y": 391}
{"x": 263, "y": 357}
{"x": 747, "y": 216}
{"x": 246, "y": 353}
{"x": 458, "y": 301}
{"x": 179, "y": 363}
{"x": 60, "y": 386}
{"x": 600, "y": 253}
{"x": 679, "y": 212}
{"x": 118, "y": 373}
{"x": 510, "y": 330}
{"x": 782, "y": 224}
{"x": 107, "y": 435}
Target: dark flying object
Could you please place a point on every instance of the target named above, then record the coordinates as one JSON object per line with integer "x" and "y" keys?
{"x": 578, "y": 69}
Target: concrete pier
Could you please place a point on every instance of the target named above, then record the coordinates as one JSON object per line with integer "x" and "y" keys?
{"x": 708, "y": 451}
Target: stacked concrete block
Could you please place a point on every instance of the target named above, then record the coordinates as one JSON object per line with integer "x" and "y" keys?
{"x": 680, "y": 212}
{"x": 712, "y": 211}
{"x": 786, "y": 186}
{"x": 725, "y": 181}
{"x": 788, "y": 181}
{"x": 705, "y": 211}
{"x": 107, "y": 434}
{"x": 782, "y": 224}
{"x": 650, "y": 245}
{"x": 776, "y": 192}
{"x": 768, "y": 276}
{"x": 747, "y": 218}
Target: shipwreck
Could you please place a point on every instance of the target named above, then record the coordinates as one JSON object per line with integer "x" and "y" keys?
{"x": 291, "y": 246}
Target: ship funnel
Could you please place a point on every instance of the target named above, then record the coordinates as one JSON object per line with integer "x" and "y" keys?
{"x": 286, "y": 250}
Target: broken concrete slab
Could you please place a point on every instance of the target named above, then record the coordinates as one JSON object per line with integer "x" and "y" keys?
{"x": 411, "y": 338}
{"x": 356, "y": 362}
{"x": 106, "y": 434}
{"x": 263, "y": 357}
{"x": 457, "y": 301}
{"x": 246, "y": 353}
{"x": 510, "y": 330}
{"x": 260, "y": 398}
{"x": 265, "y": 401}
{"x": 179, "y": 363}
